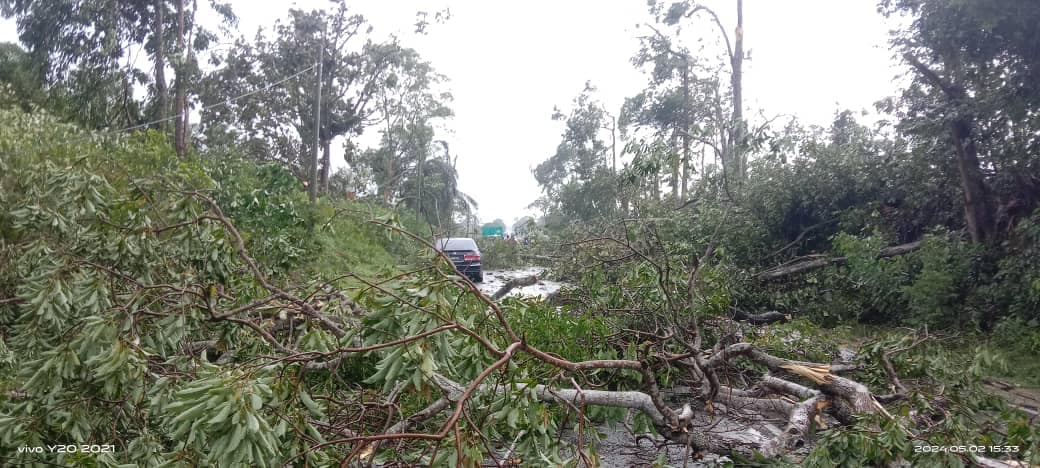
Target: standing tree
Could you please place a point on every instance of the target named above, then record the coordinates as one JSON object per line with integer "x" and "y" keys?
{"x": 579, "y": 179}
{"x": 436, "y": 197}
{"x": 18, "y": 86}
{"x": 277, "y": 122}
{"x": 975, "y": 92}
{"x": 408, "y": 107}
{"x": 668, "y": 55}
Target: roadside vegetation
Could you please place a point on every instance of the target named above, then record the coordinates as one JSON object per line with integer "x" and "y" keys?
{"x": 500, "y": 254}
{"x": 773, "y": 293}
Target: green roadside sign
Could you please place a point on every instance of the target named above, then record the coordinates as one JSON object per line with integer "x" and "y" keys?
{"x": 492, "y": 231}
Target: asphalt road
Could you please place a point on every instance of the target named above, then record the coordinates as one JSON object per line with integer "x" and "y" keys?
{"x": 495, "y": 279}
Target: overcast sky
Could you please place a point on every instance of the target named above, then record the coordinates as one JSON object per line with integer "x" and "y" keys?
{"x": 509, "y": 63}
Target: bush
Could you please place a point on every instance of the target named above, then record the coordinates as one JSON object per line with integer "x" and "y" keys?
{"x": 1014, "y": 289}
{"x": 83, "y": 225}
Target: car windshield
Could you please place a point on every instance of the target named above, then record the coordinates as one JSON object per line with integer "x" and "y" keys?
{"x": 456, "y": 244}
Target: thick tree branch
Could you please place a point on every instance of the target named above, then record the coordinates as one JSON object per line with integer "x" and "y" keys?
{"x": 254, "y": 267}
{"x": 760, "y": 319}
{"x": 816, "y": 262}
{"x": 800, "y": 236}
{"x": 512, "y": 284}
{"x": 955, "y": 93}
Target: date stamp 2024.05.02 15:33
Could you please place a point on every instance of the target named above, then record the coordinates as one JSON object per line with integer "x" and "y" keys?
{"x": 979, "y": 449}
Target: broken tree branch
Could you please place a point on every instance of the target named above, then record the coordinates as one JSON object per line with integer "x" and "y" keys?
{"x": 820, "y": 262}
{"x": 512, "y": 284}
{"x": 763, "y": 318}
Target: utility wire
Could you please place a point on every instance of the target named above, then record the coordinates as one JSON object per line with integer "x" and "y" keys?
{"x": 213, "y": 106}
{"x": 92, "y": 133}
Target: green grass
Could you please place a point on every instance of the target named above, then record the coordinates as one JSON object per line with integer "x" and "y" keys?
{"x": 1023, "y": 370}
{"x": 347, "y": 241}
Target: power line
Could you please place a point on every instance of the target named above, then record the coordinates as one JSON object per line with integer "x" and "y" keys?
{"x": 92, "y": 133}
{"x": 213, "y": 106}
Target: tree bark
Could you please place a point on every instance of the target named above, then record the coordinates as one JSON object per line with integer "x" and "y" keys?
{"x": 656, "y": 189}
{"x": 798, "y": 425}
{"x": 180, "y": 144}
{"x": 419, "y": 182}
{"x": 313, "y": 186}
{"x": 978, "y": 213}
{"x": 613, "y": 145}
{"x": 760, "y": 319}
{"x": 675, "y": 167}
{"x": 179, "y": 84}
{"x": 388, "y": 167}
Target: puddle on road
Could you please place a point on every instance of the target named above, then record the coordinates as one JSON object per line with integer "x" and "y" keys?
{"x": 495, "y": 279}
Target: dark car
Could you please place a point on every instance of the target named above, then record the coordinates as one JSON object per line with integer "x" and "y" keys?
{"x": 464, "y": 253}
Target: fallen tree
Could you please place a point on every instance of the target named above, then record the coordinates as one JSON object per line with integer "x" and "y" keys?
{"x": 277, "y": 367}
{"x": 812, "y": 262}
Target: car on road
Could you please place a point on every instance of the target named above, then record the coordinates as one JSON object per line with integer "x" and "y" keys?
{"x": 464, "y": 253}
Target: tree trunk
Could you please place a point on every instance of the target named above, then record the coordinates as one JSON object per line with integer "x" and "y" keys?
{"x": 656, "y": 189}
{"x": 739, "y": 159}
{"x": 513, "y": 284}
{"x": 162, "y": 92}
{"x": 313, "y": 187}
{"x": 326, "y": 165}
{"x": 388, "y": 167}
{"x": 978, "y": 214}
{"x": 763, "y": 318}
{"x": 329, "y": 76}
{"x": 978, "y": 208}
{"x": 686, "y": 127}
{"x": 419, "y": 183}
{"x": 613, "y": 145}
{"x": 180, "y": 141}
{"x": 675, "y": 166}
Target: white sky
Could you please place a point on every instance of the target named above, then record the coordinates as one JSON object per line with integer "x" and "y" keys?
{"x": 509, "y": 63}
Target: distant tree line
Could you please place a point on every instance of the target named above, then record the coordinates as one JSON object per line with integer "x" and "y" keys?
{"x": 83, "y": 61}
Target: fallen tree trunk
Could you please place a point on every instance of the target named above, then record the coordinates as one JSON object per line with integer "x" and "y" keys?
{"x": 816, "y": 261}
{"x": 721, "y": 442}
{"x": 512, "y": 284}
{"x": 763, "y": 318}
{"x": 838, "y": 396}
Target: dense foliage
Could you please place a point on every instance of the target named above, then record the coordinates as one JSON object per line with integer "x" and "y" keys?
{"x": 111, "y": 259}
